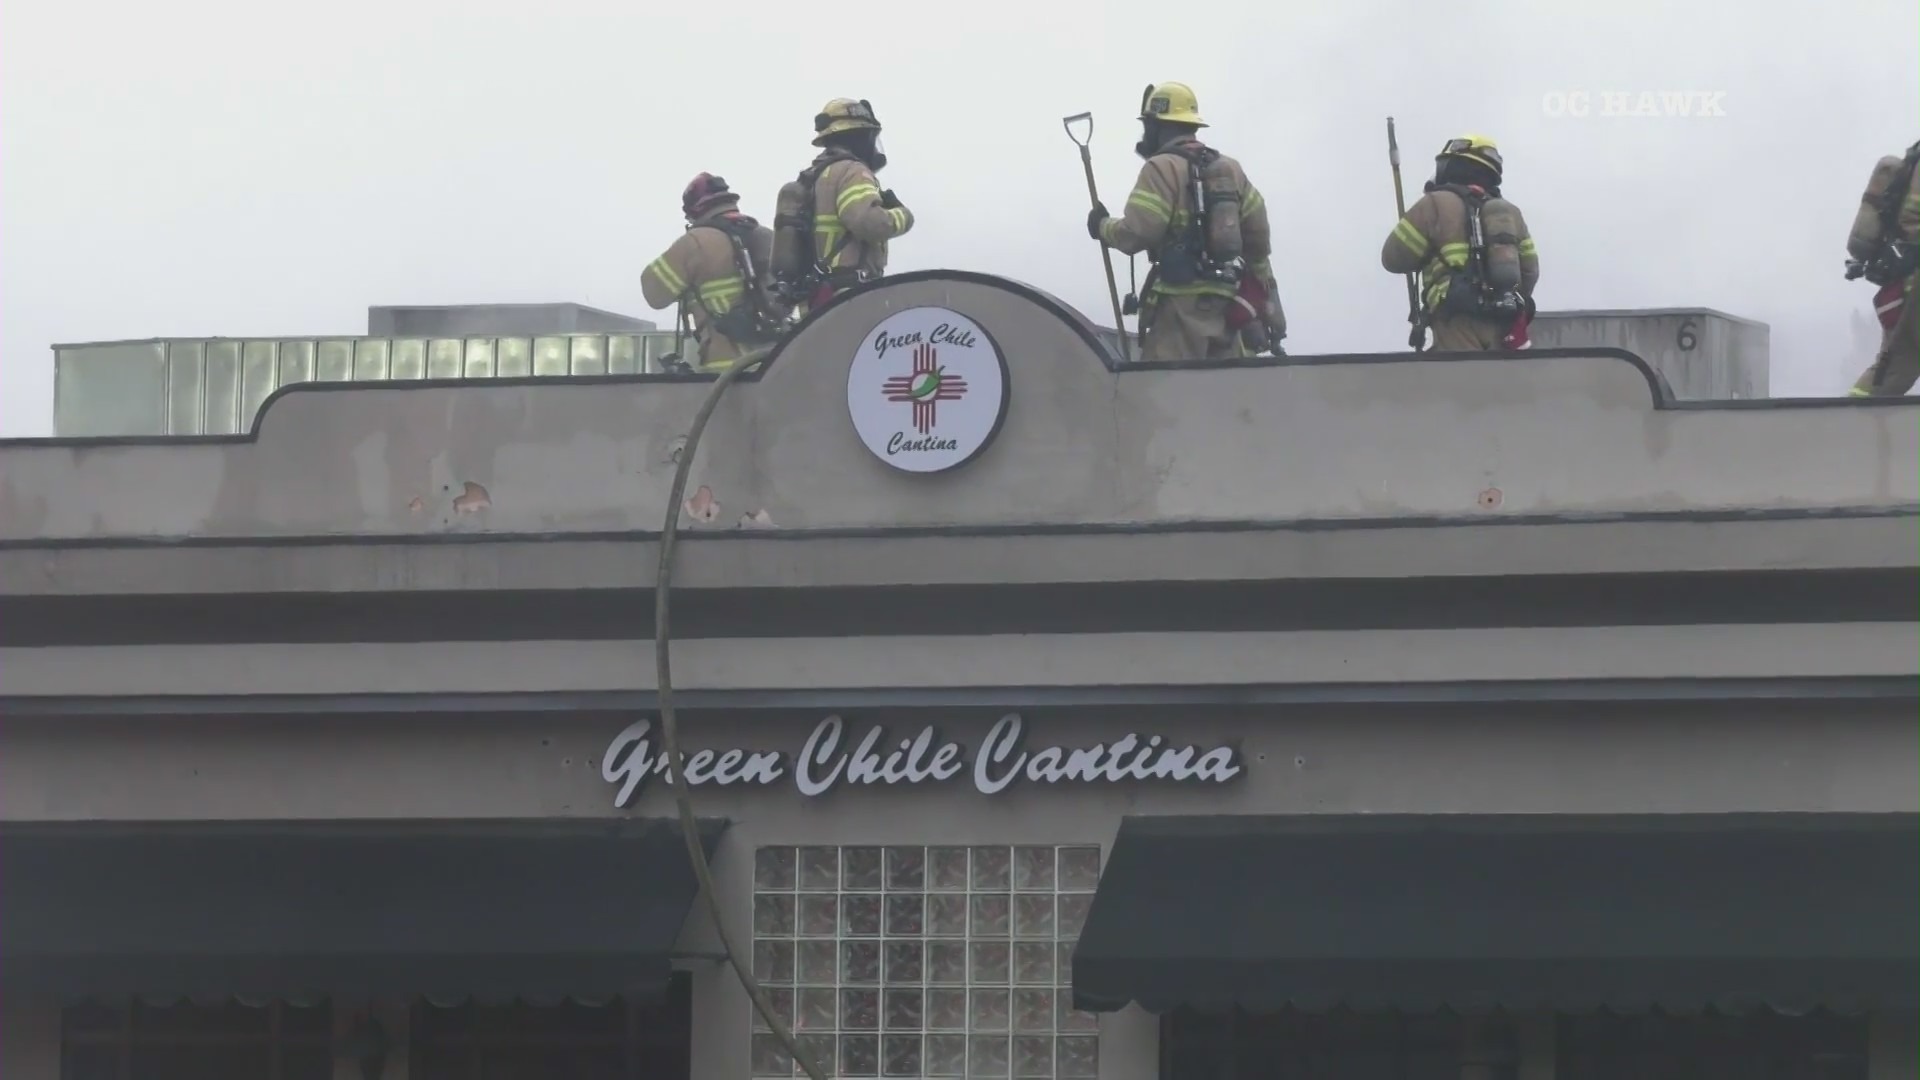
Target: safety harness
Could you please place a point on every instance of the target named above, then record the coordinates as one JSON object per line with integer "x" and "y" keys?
{"x": 750, "y": 321}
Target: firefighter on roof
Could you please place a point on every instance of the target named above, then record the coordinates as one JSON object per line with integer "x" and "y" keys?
{"x": 1476, "y": 260}
{"x": 832, "y": 223}
{"x": 1210, "y": 293}
{"x": 1885, "y": 248}
{"x": 718, "y": 272}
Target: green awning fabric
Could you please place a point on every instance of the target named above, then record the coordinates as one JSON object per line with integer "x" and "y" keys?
{"x": 1679, "y": 912}
{"x": 487, "y": 910}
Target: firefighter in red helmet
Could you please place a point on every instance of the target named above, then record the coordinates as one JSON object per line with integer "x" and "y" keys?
{"x": 718, "y": 271}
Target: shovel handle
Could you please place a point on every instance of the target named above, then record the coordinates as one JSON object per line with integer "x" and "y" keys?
{"x": 1068, "y": 122}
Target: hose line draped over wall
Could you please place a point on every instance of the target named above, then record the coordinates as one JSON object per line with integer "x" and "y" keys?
{"x": 669, "y": 729}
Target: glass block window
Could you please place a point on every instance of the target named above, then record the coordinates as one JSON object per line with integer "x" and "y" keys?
{"x": 925, "y": 961}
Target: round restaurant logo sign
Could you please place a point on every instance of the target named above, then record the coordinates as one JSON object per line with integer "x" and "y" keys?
{"x": 927, "y": 389}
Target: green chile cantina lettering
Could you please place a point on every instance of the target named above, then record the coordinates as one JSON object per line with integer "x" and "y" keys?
{"x": 829, "y": 759}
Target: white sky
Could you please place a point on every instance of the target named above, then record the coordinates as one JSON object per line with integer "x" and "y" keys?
{"x": 255, "y": 168}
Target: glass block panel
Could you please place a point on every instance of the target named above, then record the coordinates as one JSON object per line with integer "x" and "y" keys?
{"x": 446, "y": 358}
{"x": 906, "y": 963}
{"x": 333, "y": 361}
{"x": 1033, "y": 915}
{"x": 946, "y": 963}
{"x": 186, "y": 387}
{"x": 818, "y": 961}
{"x": 819, "y": 915}
{"x": 992, "y": 868}
{"x": 988, "y": 1010}
{"x": 822, "y": 1050}
{"x": 1078, "y": 1057}
{"x": 409, "y": 359}
{"x": 1079, "y": 868}
{"x": 1033, "y": 963}
{"x": 906, "y": 915}
{"x": 860, "y": 962}
{"x": 900, "y": 1055}
{"x": 587, "y": 354}
{"x": 946, "y": 1055}
{"x": 223, "y": 387}
{"x": 1033, "y": 1057}
{"x": 990, "y": 915}
{"x": 297, "y": 364}
{"x": 860, "y": 914}
{"x": 782, "y": 1000}
{"x": 859, "y": 1010}
{"x": 1073, "y": 913}
{"x": 481, "y": 358}
{"x": 987, "y": 1056}
{"x": 773, "y": 915}
{"x": 947, "y": 915}
{"x": 906, "y": 869}
{"x": 860, "y": 868}
{"x": 773, "y": 960}
{"x": 819, "y": 1009}
{"x": 909, "y": 961}
{"x": 770, "y": 1058}
{"x": 513, "y": 357}
{"x": 947, "y": 869}
{"x": 623, "y": 355}
{"x": 773, "y": 868}
{"x": 259, "y": 378}
{"x": 859, "y": 1055}
{"x": 370, "y": 357}
{"x": 550, "y": 356}
{"x": 988, "y": 963}
{"x": 1033, "y": 869}
{"x": 1033, "y": 1011}
{"x": 905, "y": 1010}
{"x": 819, "y": 868}
{"x": 946, "y": 1009}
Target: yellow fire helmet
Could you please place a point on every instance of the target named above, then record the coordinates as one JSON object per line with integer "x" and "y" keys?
{"x": 1171, "y": 102}
{"x": 843, "y": 114}
{"x": 1477, "y": 148}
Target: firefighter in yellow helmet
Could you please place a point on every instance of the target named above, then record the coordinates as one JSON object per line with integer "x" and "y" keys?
{"x": 1202, "y": 223}
{"x": 833, "y": 223}
{"x": 1475, "y": 296}
{"x": 1884, "y": 246}
{"x": 718, "y": 272}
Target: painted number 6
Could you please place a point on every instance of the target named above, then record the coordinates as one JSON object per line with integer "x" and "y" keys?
{"x": 1686, "y": 339}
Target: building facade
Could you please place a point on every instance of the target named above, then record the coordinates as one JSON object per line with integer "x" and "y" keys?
{"x": 1346, "y": 717}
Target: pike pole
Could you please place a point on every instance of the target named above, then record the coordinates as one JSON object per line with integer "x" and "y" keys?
{"x": 1417, "y": 339}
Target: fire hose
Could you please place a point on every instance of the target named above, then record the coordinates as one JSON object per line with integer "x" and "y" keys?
{"x": 669, "y": 728}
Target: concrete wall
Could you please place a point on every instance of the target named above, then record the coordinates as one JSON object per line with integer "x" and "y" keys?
{"x": 497, "y": 320}
{"x": 1381, "y": 437}
{"x": 1704, "y": 355}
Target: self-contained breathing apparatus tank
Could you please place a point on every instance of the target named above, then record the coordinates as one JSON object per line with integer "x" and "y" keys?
{"x": 1876, "y": 249}
{"x": 1493, "y": 259}
{"x": 792, "y": 262}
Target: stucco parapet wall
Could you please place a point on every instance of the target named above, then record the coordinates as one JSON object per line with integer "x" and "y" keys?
{"x": 1367, "y": 437}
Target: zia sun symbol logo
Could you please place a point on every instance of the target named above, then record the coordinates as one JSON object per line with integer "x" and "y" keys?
{"x": 925, "y": 388}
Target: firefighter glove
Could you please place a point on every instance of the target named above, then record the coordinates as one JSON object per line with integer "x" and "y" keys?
{"x": 889, "y": 201}
{"x": 1096, "y": 218}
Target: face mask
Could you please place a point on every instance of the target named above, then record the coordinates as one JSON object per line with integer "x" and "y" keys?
{"x": 879, "y": 159}
{"x": 1148, "y": 144}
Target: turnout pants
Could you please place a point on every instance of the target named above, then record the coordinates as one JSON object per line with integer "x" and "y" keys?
{"x": 1459, "y": 333}
{"x": 1897, "y": 367}
{"x": 1187, "y": 328}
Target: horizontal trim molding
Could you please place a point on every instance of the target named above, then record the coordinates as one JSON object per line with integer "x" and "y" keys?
{"x": 1859, "y": 688}
{"x": 1190, "y": 551}
{"x": 1387, "y": 657}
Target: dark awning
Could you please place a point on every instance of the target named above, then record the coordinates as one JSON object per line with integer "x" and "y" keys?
{"x": 494, "y": 910}
{"x": 1562, "y": 912}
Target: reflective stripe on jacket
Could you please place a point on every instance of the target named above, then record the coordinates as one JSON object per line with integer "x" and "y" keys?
{"x": 1160, "y": 207}
{"x": 850, "y": 227}
{"x": 700, "y": 267}
{"x": 1432, "y": 239}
